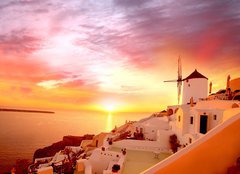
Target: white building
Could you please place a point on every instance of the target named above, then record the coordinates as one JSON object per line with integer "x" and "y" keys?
{"x": 191, "y": 123}
{"x": 151, "y": 126}
{"x": 101, "y": 162}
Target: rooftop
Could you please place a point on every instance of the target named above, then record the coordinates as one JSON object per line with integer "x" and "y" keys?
{"x": 195, "y": 75}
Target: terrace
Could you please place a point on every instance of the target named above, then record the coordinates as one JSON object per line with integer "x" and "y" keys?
{"x": 138, "y": 161}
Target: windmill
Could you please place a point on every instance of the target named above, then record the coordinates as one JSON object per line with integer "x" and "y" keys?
{"x": 179, "y": 80}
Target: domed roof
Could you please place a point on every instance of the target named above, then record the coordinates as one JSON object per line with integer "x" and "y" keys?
{"x": 195, "y": 75}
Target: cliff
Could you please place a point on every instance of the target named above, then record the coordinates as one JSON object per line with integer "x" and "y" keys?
{"x": 54, "y": 148}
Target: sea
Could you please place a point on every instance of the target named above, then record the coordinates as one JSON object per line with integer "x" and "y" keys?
{"x": 21, "y": 133}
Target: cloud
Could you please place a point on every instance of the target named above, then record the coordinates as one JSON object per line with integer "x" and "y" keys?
{"x": 19, "y": 90}
{"x": 27, "y": 71}
{"x": 73, "y": 81}
{"x": 116, "y": 46}
{"x": 20, "y": 42}
{"x": 185, "y": 24}
{"x": 136, "y": 31}
{"x": 132, "y": 3}
{"x": 12, "y": 3}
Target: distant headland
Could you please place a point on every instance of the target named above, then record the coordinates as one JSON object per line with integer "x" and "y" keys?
{"x": 26, "y": 110}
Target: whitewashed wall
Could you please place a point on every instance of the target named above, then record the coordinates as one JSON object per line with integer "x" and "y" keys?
{"x": 196, "y": 88}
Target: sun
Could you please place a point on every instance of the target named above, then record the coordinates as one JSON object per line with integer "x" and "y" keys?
{"x": 110, "y": 107}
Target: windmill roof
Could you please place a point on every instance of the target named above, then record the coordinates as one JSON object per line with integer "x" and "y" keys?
{"x": 195, "y": 75}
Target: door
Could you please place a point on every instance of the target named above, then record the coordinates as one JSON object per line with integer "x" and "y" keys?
{"x": 203, "y": 124}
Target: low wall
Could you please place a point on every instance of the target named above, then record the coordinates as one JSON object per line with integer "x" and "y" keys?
{"x": 140, "y": 145}
{"x": 212, "y": 154}
{"x": 229, "y": 113}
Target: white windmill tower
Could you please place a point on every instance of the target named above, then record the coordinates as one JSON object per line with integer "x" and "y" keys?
{"x": 195, "y": 85}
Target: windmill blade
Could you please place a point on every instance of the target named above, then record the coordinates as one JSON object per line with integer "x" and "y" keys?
{"x": 179, "y": 80}
{"x": 179, "y": 69}
{"x": 170, "y": 81}
{"x": 179, "y": 85}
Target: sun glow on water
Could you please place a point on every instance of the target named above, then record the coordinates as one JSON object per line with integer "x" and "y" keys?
{"x": 109, "y": 122}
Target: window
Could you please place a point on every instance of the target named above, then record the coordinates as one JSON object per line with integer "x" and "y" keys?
{"x": 179, "y": 118}
{"x": 190, "y": 140}
{"x": 215, "y": 117}
{"x": 191, "y": 120}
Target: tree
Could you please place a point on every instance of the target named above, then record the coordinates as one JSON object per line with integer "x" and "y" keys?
{"x": 174, "y": 143}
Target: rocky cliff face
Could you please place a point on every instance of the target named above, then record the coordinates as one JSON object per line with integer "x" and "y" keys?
{"x": 56, "y": 147}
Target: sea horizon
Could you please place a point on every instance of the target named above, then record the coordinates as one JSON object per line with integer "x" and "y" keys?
{"x": 22, "y": 133}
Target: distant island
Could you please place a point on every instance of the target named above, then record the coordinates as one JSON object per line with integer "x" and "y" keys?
{"x": 26, "y": 110}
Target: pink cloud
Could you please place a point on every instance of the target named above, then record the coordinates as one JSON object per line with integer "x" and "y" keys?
{"x": 19, "y": 42}
{"x": 17, "y": 90}
{"x": 25, "y": 90}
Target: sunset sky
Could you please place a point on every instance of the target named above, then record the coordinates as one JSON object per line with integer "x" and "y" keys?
{"x": 95, "y": 55}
